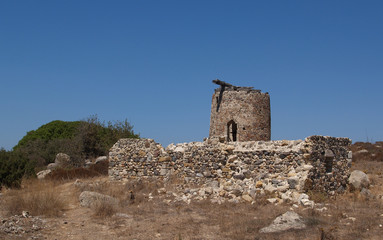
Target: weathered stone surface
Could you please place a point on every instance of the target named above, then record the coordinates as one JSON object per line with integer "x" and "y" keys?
{"x": 88, "y": 199}
{"x": 63, "y": 160}
{"x": 42, "y": 174}
{"x": 18, "y": 226}
{"x": 328, "y": 153}
{"x": 259, "y": 184}
{"x": 164, "y": 159}
{"x": 52, "y": 166}
{"x": 240, "y": 168}
{"x": 247, "y": 198}
{"x": 359, "y": 180}
{"x": 287, "y": 221}
{"x": 101, "y": 159}
{"x": 365, "y": 192}
{"x": 245, "y": 111}
{"x": 270, "y": 188}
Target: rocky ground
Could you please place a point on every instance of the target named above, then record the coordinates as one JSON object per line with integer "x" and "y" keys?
{"x": 171, "y": 209}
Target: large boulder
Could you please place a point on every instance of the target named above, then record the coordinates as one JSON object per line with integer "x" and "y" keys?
{"x": 63, "y": 160}
{"x": 90, "y": 199}
{"x": 52, "y": 166}
{"x": 358, "y": 180}
{"x": 286, "y": 221}
{"x": 42, "y": 174}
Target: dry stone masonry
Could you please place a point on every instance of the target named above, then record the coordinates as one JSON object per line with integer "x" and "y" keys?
{"x": 238, "y": 161}
{"x": 240, "y": 113}
{"x": 239, "y": 169}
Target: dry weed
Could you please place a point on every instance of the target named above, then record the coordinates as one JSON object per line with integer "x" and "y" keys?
{"x": 96, "y": 170}
{"x": 318, "y": 197}
{"x": 104, "y": 209}
{"x": 36, "y": 197}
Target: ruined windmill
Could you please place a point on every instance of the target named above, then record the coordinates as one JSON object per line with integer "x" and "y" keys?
{"x": 240, "y": 113}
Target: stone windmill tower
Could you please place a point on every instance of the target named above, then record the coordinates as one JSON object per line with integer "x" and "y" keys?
{"x": 240, "y": 113}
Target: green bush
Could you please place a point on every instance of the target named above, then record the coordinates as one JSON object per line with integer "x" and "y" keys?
{"x": 53, "y": 130}
{"x": 79, "y": 139}
{"x": 13, "y": 167}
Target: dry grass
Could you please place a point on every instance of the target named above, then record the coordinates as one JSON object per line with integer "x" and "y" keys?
{"x": 203, "y": 219}
{"x": 96, "y": 170}
{"x": 356, "y": 213}
{"x": 206, "y": 220}
{"x": 375, "y": 151}
{"x": 318, "y": 197}
{"x": 36, "y": 197}
{"x": 348, "y": 216}
{"x": 104, "y": 209}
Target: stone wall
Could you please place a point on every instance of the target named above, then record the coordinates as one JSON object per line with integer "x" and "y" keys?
{"x": 317, "y": 163}
{"x": 249, "y": 109}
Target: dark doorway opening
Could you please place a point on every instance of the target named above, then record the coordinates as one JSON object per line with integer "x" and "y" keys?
{"x": 232, "y": 131}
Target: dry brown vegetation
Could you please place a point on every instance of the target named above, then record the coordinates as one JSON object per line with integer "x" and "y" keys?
{"x": 145, "y": 213}
{"x": 374, "y": 152}
{"x": 96, "y": 170}
{"x": 36, "y": 197}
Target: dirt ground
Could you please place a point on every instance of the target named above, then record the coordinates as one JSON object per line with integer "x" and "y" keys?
{"x": 156, "y": 216}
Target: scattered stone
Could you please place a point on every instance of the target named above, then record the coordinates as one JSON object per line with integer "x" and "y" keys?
{"x": 287, "y": 221}
{"x": 88, "y": 199}
{"x": 359, "y": 180}
{"x": 19, "y": 225}
{"x": 247, "y": 198}
{"x": 307, "y": 167}
{"x": 25, "y": 214}
{"x": 362, "y": 151}
{"x": 270, "y": 188}
{"x": 52, "y": 166}
{"x": 307, "y": 203}
{"x": 303, "y": 196}
{"x": 101, "y": 159}
{"x": 340, "y": 190}
{"x": 272, "y": 200}
{"x": 293, "y": 182}
{"x": 321, "y": 209}
{"x": 42, "y": 174}
{"x": 366, "y": 193}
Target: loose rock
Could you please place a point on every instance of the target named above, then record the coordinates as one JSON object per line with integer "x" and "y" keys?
{"x": 89, "y": 199}
{"x": 287, "y": 221}
{"x": 359, "y": 180}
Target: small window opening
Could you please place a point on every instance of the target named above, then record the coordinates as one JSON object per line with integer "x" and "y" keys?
{"x": 329, "y": 158}
{"x": 328, "y": 164}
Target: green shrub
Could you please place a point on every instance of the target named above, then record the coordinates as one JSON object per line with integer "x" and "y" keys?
{"x": 53, "y": 130}
{"x": 13, "y": 167}
{"x": 80, "y": 139}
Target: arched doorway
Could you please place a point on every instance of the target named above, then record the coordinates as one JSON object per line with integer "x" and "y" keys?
{"x": 231, "y": 131}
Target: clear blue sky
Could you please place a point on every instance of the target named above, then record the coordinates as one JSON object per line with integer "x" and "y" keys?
{"x": 152, "y": 62}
